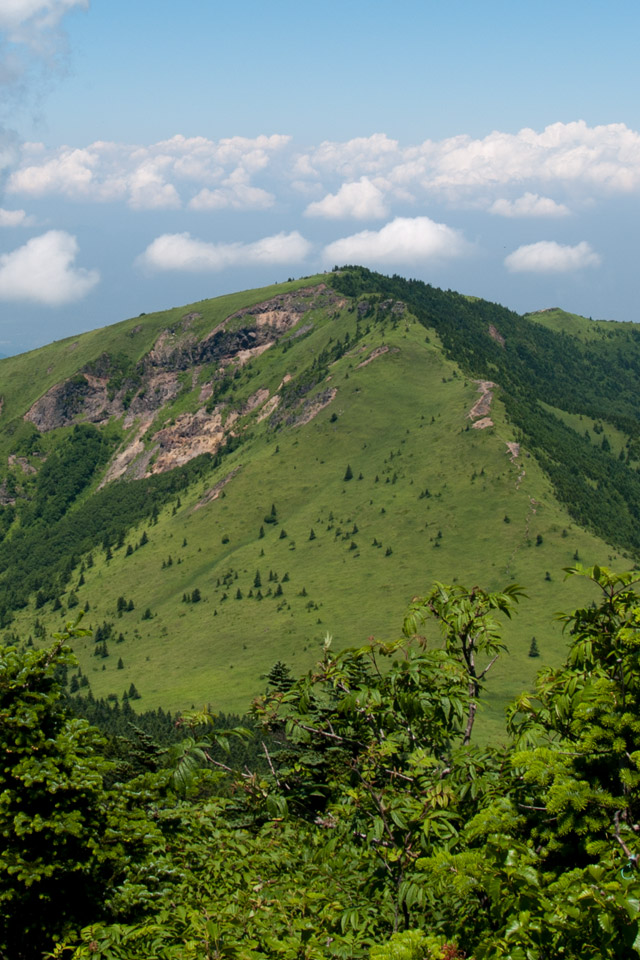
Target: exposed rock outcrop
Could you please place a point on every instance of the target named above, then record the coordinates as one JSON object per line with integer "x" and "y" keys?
{"x": 115, "y": 387}
{"x": 191, "y": 435}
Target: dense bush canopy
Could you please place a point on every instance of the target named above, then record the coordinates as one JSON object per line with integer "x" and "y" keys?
{"x": 374, "y": 828}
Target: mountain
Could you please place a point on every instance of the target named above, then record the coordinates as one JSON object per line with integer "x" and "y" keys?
{"x": 221, "y": 485}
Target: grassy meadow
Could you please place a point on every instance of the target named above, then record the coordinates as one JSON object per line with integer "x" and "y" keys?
{"x": 430, "y": 498}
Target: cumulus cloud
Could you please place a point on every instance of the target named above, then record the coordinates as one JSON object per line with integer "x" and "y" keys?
{"x": 43, "y": 271}
{"x": 348, "y": 159}
{"x": 235, "y": 192}
{"x": 148, "y": 189}
{"x": 357, "y": 178}
{"x": 528, "y": 205}
{"x": 69, "y": 173}
{"x": 362, "y": 200}
{"x": 403, "y": 240}
{"x": 547, "y": 256}
{"x": 154, "y": 176}
{"x": 14, "y": 218}
{"x": 180, "y": 251}
{"x": 605, "y": 157}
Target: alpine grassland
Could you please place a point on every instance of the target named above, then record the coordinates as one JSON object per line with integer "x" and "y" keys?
{"x": 310, "y": 457}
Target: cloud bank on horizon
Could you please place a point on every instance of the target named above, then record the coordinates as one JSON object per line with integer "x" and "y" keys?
{"x": 364, "y": 179}
{"x": 370, "y": 172}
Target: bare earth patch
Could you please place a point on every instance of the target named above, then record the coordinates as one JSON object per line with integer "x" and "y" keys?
{"x": 495, "y": 334}
{"x": 482, "y": 424}
{"x": 205, "y": 392}
{"x": 514, "y": 449}
{"x": 268, "y": 408}
{"x": 123, "y": 462}
{"x": 256, "y": 400}
{"x": 21, "y": 462}
{"x": 214, "y": 493}
{"x": 243, "y": 356}
{"x": 373, "y": 356}
{"x": 482, "y": 407}
{"x": 283, "y": 312}
{"x": 313, "y": 407}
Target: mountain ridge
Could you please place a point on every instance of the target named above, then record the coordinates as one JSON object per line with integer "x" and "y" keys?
{"x": 408, "y": 388}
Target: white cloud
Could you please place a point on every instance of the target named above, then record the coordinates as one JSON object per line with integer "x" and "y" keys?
{"x": 43, "y": 14}
{"x": 180, "y": 251}
{"x": 238, "y": 197}
{"x": 605, "y": 157}
{"x": 69, "y": 173}
{"x": 235, "y": 192}
{"x": 349, "y": 159}
{"x": 359, "y": 178}
{"x": 42, "y": 271}
{"x": 152, "y": 177}
{"x": 362, "y": 200}
{"x": 14, "y": 218}
{"x": 528, "y": 205}
{"x": 148, "y": 189}
{"x": 547, "y": 256}
{"x": 404, "y": 240}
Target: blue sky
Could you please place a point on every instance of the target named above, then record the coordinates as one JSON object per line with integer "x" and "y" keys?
{"x": 153, "y": 154}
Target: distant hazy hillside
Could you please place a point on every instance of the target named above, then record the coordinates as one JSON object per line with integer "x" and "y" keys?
{"x": 224, "y": 483}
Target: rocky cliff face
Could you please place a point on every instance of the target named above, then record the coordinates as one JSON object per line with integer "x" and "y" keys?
{"x": 134, "y": 393}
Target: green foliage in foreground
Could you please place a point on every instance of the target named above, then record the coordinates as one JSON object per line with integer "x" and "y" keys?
{"x": 379, "y": 831}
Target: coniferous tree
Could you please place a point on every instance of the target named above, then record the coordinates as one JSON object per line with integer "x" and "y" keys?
{"x": 279, "y": 677}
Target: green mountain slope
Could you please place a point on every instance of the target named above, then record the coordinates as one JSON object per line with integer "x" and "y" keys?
{"x": 226, "y": 483}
